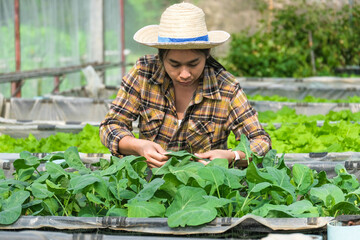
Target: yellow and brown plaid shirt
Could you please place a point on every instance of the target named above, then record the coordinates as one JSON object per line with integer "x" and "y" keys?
{"x": 218, "y": 106}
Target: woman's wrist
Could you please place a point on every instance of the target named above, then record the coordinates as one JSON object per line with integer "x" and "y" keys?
{"x": 235, "y": 156}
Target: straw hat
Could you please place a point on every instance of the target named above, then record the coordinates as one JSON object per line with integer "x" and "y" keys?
{"x": 182, "y": 26}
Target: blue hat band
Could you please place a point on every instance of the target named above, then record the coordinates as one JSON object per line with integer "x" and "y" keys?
{"x": 180, "y": 40}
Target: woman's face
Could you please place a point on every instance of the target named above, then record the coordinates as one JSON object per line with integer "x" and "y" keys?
{"x": 184, "y": 66}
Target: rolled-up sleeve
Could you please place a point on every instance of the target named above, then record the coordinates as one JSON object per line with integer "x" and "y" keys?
{"x": 123, "y": 111}
{"x": 243, "y": 119}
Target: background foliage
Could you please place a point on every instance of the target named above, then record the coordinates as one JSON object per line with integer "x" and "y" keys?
{"x": 283, "y": 49}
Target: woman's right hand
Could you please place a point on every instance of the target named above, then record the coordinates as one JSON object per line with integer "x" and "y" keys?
{"x": 153, "y": 152}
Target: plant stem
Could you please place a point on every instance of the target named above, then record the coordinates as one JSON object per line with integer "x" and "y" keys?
{"x": 100, "y": 210}
{"x": 64, "y": 210}
{"x": 66, "y": 202}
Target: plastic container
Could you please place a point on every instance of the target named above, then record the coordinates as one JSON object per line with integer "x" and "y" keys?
{"x": 337, "y": 231}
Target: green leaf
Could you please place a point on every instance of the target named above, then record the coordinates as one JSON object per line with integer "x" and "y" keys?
{"x": 170, "y": 185}
{"x": 32, "y": 203}
{"x": 15, "y": 183}
{"x": 51, "y": 205}
{"x": 56, "y": 188}
{"x": 72, "y": 158}
{"x": 253, "y": 174}
{"x": 269, "y": 159}
{"x": 24, "y": 174}
{"x": 126, "y": 194}
{"x": 117, "y": 212}
{"x": 215, "y": 202}
{"x": 260, "y": 186}
{"x": 281, "y": 179}
{"x": 78, "y": 183}
{"x": 303, "y": 177}
{"x": 26, "y": 160}
{"x": 182, "y": 155}
{"x": 11, "y": 207}
{"x": 104, "y": 164}
{"x": 55, "y": 170}
{"x": 40, "y": 191}
{"x": 299, "y": 209}
{"x": 42, "y": 178}
{"x": 347, "y": 182}
{"x": 344, "y": 208}
{"x": 231, "y": 178}
{"x": 322, "y": 178}
{"x": 96, "y": 200}
{"x": 102, "y": 188}
{"x": 54, "y": 156}
{"x": 244, "y": 146}
{"x": 192, "y": 216}
{"x": 88, "y": 212}
{"x": 164, "y": 169}
{"x": 183, "y": 173}
{"x": 219, "y": 162}
{"x": 186, "y": 197}
{"x": 145, "y": 209}
{"x": 212, "y": 174}
{"x": 132, "y": 173}
{"x": 329, "y": 194}
{"x": 2, "y": 174}
{"x": 117, "y": 188}
{"x": 112, "y": 169}
{"x": 149, "y": 190}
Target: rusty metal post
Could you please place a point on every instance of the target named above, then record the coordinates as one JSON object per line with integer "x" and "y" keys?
{"x": 57, "y": 84}
{"x": 16, "y": 86}
{"x": 122, "y": 18}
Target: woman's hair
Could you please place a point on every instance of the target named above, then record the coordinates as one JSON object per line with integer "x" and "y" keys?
{"x": 209, "y": 59}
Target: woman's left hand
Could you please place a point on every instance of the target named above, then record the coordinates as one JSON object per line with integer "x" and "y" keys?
{"x": 212, "y": 154}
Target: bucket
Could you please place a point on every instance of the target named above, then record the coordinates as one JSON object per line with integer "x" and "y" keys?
{"x": 337, "y": 231}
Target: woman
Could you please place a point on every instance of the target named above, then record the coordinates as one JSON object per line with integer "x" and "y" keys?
{"x": 184, "y": 98}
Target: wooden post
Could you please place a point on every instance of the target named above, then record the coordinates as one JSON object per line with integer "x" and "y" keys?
{"x": 16, "y": 86}
{"x": 97, "y": 46}
{"x": 271, "y": 8}
{"x": 312, "y": 54}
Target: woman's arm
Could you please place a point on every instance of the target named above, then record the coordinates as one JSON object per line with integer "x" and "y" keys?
{"x": 243, "y": 119}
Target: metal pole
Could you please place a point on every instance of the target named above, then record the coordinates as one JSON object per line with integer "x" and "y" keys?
{"x": 122, "y": 18}
{"x": 16, "y": 86}
{"x": 57, "y": 84}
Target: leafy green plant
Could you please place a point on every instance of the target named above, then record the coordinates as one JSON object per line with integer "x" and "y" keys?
{"x": 87, "y": 141}
{"x": 297, "y": 134}
{"x": 308, "y": 99}
{"x": 307, "y": 137}
{"x": 289, "y": 115}
{"x": 184, "y": 191}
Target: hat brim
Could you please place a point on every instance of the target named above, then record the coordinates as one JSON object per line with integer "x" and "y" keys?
{"x": 149, "y": 36}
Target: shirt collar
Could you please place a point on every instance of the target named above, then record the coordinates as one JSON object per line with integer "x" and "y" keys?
{"x": 160, "y": 77}
{"x": 210, "y": 88}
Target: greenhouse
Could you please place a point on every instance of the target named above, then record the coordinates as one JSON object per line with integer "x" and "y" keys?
{"x": 140, "y": 119}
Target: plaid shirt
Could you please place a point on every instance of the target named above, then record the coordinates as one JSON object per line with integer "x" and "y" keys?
{"x": 218, "y": 106}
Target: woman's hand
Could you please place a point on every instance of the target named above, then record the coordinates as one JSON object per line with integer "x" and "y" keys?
{"x": 226, "y": 154}
{"x": 212, "y": 154}
{"x": 153, "y": 152}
